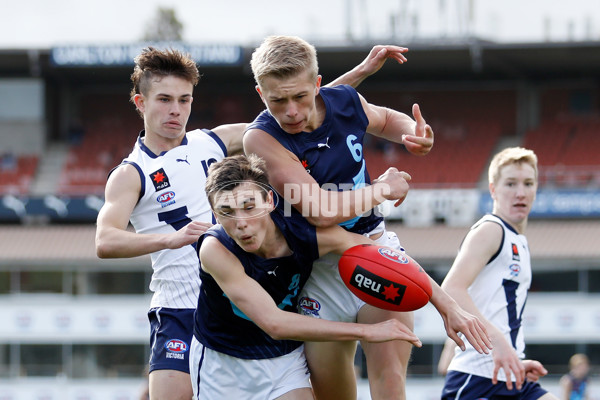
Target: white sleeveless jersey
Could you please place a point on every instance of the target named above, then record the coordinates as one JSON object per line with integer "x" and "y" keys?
{"x": 500, "y": 293}
{"x": 172, "y": 195}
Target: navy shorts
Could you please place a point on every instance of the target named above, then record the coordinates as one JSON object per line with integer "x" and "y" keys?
{"x": 171, "y": 332}
{"x": 462, "y": 386}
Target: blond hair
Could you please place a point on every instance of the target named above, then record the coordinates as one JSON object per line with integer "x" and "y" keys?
{"x": 577, "y": 359}
{"x": 283, "y": 57}
{"x": 511, "y": 155}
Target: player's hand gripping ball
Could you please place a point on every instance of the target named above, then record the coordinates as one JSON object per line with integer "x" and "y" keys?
{"x": 385, "y": 278}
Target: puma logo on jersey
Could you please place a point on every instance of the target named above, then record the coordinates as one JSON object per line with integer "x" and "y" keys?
{"x": 273, "y": 272}
{"x": 326, "y": 144}
{"x": 182, "y": 160}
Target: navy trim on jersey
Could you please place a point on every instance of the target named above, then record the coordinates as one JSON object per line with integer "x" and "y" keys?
{"x": 142, "y": 178}
{"x": 508, "y": 226}
{"x": 497, "y": 253}
{"x": 139, "y": 170}
{"x": 217, "y": 139}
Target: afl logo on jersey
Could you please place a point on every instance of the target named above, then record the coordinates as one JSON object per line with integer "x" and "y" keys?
{"x": 309, "y": 306}
{"x": 515, "y": 269}
{"x": 393, "y": 255}
{"x": 166, "y": 198}
{"x": 160, "y": 180}
{"x": 176, "y": 346}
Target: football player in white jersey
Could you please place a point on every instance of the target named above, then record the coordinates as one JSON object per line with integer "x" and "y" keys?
{"x": 159, "y": 188}
{"x": 490, "y": 278}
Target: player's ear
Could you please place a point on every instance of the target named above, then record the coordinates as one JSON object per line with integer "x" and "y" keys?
{"x": 260, "y": 93}
{"x": 318, "y": 84}
{"x": 138, "y": 100}
{"x": 492, "y": 189}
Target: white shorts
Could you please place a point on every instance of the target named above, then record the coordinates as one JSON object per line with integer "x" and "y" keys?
{"x": 217, "y": 376}
{"x": 326, "y": 296}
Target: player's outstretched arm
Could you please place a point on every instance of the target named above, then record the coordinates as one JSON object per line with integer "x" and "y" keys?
{"x": 457, "y": 320}
{"x": 299, "y": 188}
{"x": 258, "y": 305}
{"x": 232, "y": 135}
{"x": 113, "y": 240}
{"x": 392, "y": 125}
{"x": 371, "y": 64}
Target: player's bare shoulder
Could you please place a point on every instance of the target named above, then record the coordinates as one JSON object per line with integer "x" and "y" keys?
{"x": 232, "y": 136}
{"x": 124, "y": 178}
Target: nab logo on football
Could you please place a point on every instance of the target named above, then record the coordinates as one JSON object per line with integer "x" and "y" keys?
{"x": 160, "y": 180}
{"x": 376, "y": 286}
{"x": 176, "y": 346}
{"x": 393, "y": 255}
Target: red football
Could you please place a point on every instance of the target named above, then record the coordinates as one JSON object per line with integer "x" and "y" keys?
{"x": 384, "y": 277}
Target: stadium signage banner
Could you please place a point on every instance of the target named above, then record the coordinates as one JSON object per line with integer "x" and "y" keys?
{"x": 558, "y": 204}
{"x": 123, "y": 55}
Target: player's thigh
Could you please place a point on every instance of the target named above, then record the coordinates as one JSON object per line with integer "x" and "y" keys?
{"x": 331, "y": 366}
{"x": 168, "y": 384}
{"x": 298, "y": 394}
{"x": 383, "y": 356}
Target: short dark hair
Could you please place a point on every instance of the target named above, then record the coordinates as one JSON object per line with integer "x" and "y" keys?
{"x": 232, "y": 171}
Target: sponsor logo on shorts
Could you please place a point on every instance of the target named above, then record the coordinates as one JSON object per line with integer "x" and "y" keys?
{"x": 376, "y": 286}
{"x": 309, "y": 306}
{"x": 515, "y": 269}
{"x": 393, "y": 255}
{"x": 176, "y": 349}
{"x": 166, "y": 199}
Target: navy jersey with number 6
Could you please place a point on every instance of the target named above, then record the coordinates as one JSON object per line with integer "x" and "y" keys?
{"x": 221, "y": 326}
{"x": 333, "y": 153}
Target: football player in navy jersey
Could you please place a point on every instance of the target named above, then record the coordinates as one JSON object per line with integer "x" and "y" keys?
{"x": 247, "y": 334}
{"x": 158, "y": 187}
{"x": 490, "y": 278}
{"x": 312, "y": 141}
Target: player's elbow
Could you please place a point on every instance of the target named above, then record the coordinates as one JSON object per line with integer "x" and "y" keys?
{"x": 102, "y": 250}
{"x": 274, "y": 328}
{"x": 103, "y": 247}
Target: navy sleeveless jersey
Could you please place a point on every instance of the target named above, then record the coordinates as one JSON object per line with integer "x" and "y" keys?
{"x": 333, "y": 153}
{"x": 221, "y": 326}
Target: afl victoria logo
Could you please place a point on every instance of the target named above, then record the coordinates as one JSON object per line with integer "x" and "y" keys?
{"x": 166, "y": 197}
{"x": 176, "y": 346}
{"x": 393, "y": 255}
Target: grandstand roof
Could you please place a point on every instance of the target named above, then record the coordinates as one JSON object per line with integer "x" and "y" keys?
{"x": 431, "y": 60}
{"x": 551, "y": 242}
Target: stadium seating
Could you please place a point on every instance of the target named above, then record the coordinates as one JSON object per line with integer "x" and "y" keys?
{"x": 16, "y": 173}
{"x": 568, "y": 151}
{"x": 459, "y": 156}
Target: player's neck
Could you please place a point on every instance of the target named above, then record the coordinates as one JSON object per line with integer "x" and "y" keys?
{"x": 318, "y": 115}
{"x": 274, "y": 244}
{"x": 159, "y": 144}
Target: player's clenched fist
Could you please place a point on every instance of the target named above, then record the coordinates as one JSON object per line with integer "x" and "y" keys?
{"x": 393, "y": 185}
